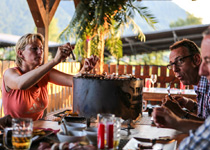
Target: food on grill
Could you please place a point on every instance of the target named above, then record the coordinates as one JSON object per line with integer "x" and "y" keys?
{"x": 70, "y": 113}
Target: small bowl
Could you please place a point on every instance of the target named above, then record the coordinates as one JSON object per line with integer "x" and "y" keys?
{"x": 70, "y": 126}
{"x": 92, "y": 135}
{"x": 74, "y": 126}
{"x": 74, "y": 136}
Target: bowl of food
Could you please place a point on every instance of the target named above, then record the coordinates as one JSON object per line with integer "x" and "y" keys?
{"x": 70, "y": 126}
{"x": 91, "y": 134}
{"x": 72, "y": 136}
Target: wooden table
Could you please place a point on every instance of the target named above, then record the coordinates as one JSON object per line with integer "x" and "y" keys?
{"x": 47, "y": 124}
{"x": 141, "y": 129}
{"x": 157, "y": 94}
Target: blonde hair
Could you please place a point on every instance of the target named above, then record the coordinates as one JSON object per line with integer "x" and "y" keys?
{"x": 23, "y": 42}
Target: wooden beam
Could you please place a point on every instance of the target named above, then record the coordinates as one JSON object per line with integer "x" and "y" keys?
{"x": 38, "y": 12}
{"x": 53, "y": 10}
{"x": 76, "y": 2}
{"x": 42, "y": 16}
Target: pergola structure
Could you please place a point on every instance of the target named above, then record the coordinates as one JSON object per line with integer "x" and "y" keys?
{"x": 44, "y": 10}
{"x": 161, "y": 40}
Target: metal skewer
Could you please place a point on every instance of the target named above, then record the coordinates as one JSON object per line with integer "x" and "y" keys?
{"x": 72, "y": 54}
{"x": 169, "y": 93}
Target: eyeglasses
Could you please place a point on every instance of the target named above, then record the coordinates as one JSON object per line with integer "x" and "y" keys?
{"x": 178, "y": 62}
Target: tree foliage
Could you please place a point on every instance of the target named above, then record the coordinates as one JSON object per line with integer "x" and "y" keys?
{"x": 54, "y": 30}
{"x": 94, "y": 19}
{"x": 161, "y": 58}
{"x": 190, "y": 20}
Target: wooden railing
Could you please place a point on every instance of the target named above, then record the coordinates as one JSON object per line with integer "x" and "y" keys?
{"x": 61, "y": 97}
{"x": 164, "y": 76}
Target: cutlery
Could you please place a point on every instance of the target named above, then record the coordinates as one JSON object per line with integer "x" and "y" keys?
{"x": 155, "y": 140}
{"x": 169, "y": 93}
{"x": 72, "y": 54}
{"x": 65, "y": 129}
{"x": 39, "y": 137}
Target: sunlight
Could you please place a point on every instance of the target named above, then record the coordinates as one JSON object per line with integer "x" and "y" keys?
{"x": 200, "y": 8}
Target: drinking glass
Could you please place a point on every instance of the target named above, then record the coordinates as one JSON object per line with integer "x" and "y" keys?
{"x": 7, "y": 138}
{"x": 105, "y": 131}
{"x": 22, "y": 133}
{"x": 117, "y": 128}
{"x": 182, "y": 87}
{"x": 153, "y": 78}
{"x": 147, "y": 83}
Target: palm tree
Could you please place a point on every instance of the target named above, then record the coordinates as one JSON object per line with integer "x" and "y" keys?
{"x": 95, "y": 21}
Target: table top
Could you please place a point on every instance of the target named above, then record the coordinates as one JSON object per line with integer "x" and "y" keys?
{"x": 157, "y": 94}
{"x": 142, "y": 129}
{"x": 172, "y": 91}
{"x": 47, "y": 124}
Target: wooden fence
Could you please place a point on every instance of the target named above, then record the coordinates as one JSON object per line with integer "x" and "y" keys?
{"x": 60, "y": 97}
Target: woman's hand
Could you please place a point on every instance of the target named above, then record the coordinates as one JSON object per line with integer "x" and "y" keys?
{"x": 90, "y": 63}
{"x": 63, "y": 52}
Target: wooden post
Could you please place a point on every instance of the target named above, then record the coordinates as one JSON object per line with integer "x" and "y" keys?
{"x": 42, "y": 15}
{"x": 76, "y": 2}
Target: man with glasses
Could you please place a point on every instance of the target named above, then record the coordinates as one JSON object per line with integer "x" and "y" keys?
{"x": 185, "y": 61}
{"x": 199, "y": 139}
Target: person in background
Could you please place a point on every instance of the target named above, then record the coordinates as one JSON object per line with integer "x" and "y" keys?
{"x": 199, "y": 139}
{"x": 185, "y": 61}
{"x": 24, "y": 90}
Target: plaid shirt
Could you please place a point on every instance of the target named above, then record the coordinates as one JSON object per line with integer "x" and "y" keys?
{"x": 199, "y": 139}
{"x": 203, "y": 97}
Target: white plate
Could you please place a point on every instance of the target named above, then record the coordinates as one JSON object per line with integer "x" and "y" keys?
{"x": 133, "y": 143}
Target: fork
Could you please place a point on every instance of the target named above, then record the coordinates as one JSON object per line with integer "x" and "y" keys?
{"x": 169, "y": 93}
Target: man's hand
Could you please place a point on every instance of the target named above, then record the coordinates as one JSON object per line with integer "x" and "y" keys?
{"x": 181, "y": 100}
{"x": 165, "y": 118}
{"x": 187, "y": 103}
{"x": 174, "y": 106}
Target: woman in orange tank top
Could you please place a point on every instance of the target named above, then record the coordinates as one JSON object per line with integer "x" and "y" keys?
{"x": 24, "y": 90}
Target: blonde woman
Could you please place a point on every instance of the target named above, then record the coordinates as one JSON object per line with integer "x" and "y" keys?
{"x": 24, "y": 87}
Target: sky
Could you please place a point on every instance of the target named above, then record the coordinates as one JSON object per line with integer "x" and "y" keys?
{"x": 199, "y": 8}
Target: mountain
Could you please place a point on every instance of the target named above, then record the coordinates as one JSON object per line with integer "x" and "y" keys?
{"x": 16, "y": 18}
